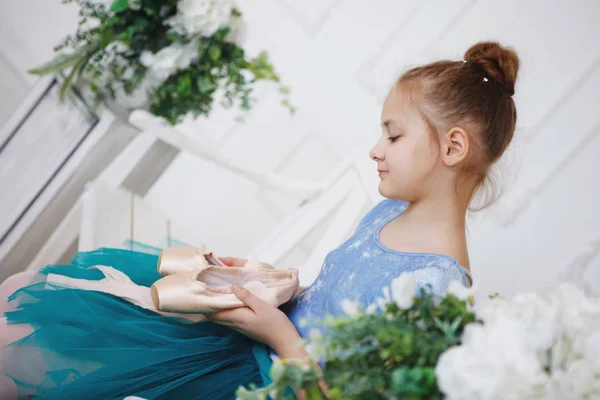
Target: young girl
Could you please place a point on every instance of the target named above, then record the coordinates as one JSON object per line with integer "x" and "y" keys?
{"x": 443, "y": 125}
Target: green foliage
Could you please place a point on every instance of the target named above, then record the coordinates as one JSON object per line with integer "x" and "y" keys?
{"x": 388, "y": 355}
{"x": 119, "y": 5}
{"x": 108, "y": 44}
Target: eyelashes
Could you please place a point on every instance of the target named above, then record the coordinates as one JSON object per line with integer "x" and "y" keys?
{"x": 393, "y": 138}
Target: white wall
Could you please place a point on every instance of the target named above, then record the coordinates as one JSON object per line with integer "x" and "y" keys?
{"x": 339, "y": 57}
{"x": 30, "y": 29}
{"x": 28, "y": 32}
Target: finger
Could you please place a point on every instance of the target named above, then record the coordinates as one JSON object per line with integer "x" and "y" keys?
{"x": 248, "y": 298}
{"x": 233, "y": 261}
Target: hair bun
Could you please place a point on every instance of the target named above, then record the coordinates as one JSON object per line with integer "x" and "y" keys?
{"x": 499, "y": 62}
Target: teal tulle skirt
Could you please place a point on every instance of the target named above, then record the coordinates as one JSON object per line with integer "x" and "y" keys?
{"x": 91, "y": 345}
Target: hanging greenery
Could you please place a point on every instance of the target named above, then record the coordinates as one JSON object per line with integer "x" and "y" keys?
{"x": 175, "y": 56}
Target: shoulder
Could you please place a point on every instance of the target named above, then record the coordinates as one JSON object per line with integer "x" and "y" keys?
{"x": 386, "y": 208}
{"x": 438, "y": 274}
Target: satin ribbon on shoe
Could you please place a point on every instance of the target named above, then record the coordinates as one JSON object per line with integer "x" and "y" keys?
{"x": 118, "y": 284}
{"x": 208, "y": 288}
{"x": 179, "y": 259}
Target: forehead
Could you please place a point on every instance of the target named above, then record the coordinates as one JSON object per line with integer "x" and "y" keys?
{"x": 398, "y": 106}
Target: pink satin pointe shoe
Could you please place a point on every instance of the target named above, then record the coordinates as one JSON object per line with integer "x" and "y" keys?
{"x": 178, "y": 259}
{"x": 118, "y": 284}
{"x": 207, "y": 288}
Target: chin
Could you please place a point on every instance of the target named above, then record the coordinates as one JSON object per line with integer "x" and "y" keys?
{"x": 385, "y": 191}
{"x": 392, "y": 193}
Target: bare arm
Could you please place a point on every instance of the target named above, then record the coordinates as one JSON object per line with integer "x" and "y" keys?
{"x": 267, "y": 324}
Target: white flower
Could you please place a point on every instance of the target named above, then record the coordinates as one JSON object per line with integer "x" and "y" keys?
{"x": 314, "y": 334}
{"x": 372, "y": 309}
{"x": 579, "y": 381}
{"x": 315, "y": 348}
{"x": 386, "y": 294}
{"x": 315, "y": 351}
{"x": 201, "y": 17}
{"x": 277, "y": 368}
{"x": 128, "y": 74}
{"x": 238, "y": 31}
{"x": 403, "y": 290}
{"x": 169, "y": 59}
{"x": 350, "y": 308}
{"x": 591, "y": 349}
{"x": 460, "y": 291}
{"x": 491, "y": 360}
{"x": 106, "y": 3}
{"x": 536, "y": 345}
{"x": 163, "y": 63}
{"x": 380, "y": 302}
{"x": 139, "y": 98}
{"x": 117, "y": 46}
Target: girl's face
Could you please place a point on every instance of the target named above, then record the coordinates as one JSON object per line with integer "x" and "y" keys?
{"x": 406, "y": 154}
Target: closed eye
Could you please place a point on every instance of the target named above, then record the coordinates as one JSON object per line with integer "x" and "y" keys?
{"x": 393, "y": 138}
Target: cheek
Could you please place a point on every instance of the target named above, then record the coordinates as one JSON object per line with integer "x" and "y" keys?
{"x": 409, "y": 160}
{"x": 424, "y": 156}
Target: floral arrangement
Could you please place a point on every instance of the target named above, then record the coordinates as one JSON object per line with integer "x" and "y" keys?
{"x": 534, "y": 346}
{"x": 175, "y": 56}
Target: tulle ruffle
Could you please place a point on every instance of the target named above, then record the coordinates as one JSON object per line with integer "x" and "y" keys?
{"x": 90, "y": 345}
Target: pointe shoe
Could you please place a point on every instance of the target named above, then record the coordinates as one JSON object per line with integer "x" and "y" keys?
{"x": 118, "y": 284}
{"x": 177, "y": 259}
{"x": 208, "y": 289}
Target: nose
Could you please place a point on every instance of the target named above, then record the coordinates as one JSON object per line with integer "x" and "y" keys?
{"x": 376, "y": 153}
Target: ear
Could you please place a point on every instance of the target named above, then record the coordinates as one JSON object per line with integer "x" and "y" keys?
{"x": 455, "y": 146}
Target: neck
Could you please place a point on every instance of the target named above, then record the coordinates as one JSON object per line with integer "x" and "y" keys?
{"x": 444, "y": 220}
{"x": 445, "y": 215}
{"x": 445, "y": 204}
{"x": 445, "y": 211}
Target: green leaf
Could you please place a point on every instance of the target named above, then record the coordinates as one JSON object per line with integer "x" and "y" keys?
{"x": 119, "y": 6}
{"x": 67, "y": 83}
{"x": 184, "y": 85}
{"x": 81, "y": 66}
{"x": 277, "y": 370}
{"x": 63, "y": 61}
{"x": 214, "y": 53}
{"x": 204, "y": 84}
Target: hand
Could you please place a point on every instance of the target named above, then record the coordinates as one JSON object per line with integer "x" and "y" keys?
{"x": 259, "y": 320}
{"x": 240, "y": 262}
{"x": 267, "y": 324}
